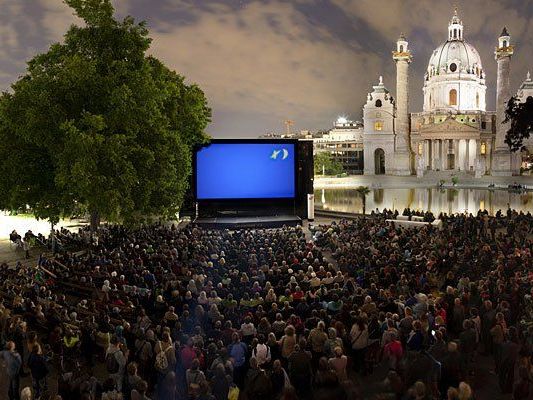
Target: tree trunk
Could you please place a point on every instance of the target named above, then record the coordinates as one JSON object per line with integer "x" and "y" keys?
{"x": 53, "y": 237}
{"x": 95, "y": 220}
{"x": 364, "y": 204}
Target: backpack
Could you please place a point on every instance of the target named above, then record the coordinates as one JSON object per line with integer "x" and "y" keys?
{"x": 262, "y": 354}
{"x": 111, "y": 363}
{"x": 161, "y": 361}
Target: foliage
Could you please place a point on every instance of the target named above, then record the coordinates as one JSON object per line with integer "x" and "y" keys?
{"x": 520, "y": 116}
{"x": 326, "y": 164}
{"x": 455, "y": 180}
{"x": 95, "y": 123}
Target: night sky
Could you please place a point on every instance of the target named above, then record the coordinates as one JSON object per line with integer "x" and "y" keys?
{"x": 262, "y": 62}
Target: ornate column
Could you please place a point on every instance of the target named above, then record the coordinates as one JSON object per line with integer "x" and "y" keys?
{"x": 502, "y": 164}
{"x": 402, "y": 146}
{"x": 456, "y": 154}
{"x": 430, "y": 153}
{"x": 488, "y": 156}
{"x": 444, "y": 154}
{"x": 434, "y": 154}
{"x": 467, "y": 155}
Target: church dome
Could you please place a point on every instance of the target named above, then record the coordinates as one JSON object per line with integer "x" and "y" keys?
{"x": 455, "y": 56}
{"x": 455, "y": 79}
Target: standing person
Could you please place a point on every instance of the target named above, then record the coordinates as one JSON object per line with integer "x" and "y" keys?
{"x": 338, "y": 363}
{"x": 509, "y": 352}
{"x": 39, "y": 370}
{"x": 359, "y": 338}
{"x": 26, "y": 248}
{"x": 498, "y": 336}
{"x": 279, "y": 378}
{"x": 300, "y": 369}
{"x": 261, "y": 353}
{"x": 237, "y": 351}
{"x": 317, "y": 338}
{"x": 288, "y": 343}
{"x": 13, "y": 362}
{"x": 467, "y": 344}
{"x": 195, "y": 378}
{"x": 393, "y": 351}
{"x": 488, "y": 316}
{"x": 220, "y": 383}
{"x": 115, "y": 362}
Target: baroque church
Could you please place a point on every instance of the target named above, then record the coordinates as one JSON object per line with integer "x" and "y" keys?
{"x": 454, "y": 132}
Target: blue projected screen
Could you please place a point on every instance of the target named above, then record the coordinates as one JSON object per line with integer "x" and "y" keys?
{"x": 245, "y": 171}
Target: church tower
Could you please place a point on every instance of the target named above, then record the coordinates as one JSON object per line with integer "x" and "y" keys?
{"x": 402, "y": 146}
{"x": 504, "y": 163}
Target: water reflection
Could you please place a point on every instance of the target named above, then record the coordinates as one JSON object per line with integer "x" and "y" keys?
{"x": 432, "y": 199}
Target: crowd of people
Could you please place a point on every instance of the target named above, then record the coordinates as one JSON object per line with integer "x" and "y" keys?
{"x": 350, "y": 310}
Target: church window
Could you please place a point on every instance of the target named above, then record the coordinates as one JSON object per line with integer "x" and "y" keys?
{"x": 378, "y": 114}
{"x": 477, "y": 100}
{"x": 455, "y": 33}
{"x": 505, "y": 43}
{"x": 483, "y": 125}
{"x": 453, "y": 97}
{"x": 420, "y": 148}
{"x": 401, "y": 48}
{"x": 378, "y": 126}
{"x": 378, "y": 103}
{"x": 483, "y": 148}
{"x": 453, "y": 67}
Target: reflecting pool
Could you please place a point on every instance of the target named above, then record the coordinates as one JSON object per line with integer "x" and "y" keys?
{"x": 435, "y": 200}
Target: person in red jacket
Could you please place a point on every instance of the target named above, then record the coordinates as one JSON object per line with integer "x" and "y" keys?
{"x": 393, "y": 351}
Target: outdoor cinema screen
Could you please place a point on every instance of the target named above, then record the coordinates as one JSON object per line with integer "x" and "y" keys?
{"x": 246, "y": 171}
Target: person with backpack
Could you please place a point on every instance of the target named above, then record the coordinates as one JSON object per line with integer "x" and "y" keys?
{"x": 39, "y": 370}
{"x": 165, "y": 357}
{"x": 144, "y": 354}
{"x": 261, "y": 353}
{"x": 115, "y": 361}
{"x": 195, "y": 378}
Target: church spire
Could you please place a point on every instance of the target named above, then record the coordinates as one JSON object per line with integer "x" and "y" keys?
{"x": 455, "y": 27}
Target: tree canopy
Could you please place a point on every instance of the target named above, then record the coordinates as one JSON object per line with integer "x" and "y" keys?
{"x": 97, "y": 123}
{"x": 520, "y": 116}
{"x": 326, "y": 164}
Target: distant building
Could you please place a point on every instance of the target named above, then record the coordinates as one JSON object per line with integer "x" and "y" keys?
{"x": 345, "y": 143}
{"x": 303, "y": 134}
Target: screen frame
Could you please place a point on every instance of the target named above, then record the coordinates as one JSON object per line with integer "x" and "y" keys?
{"x": 266, "y": 141}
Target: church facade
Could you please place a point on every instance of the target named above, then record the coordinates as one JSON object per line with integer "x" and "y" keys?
{"x": 454, "y": 131}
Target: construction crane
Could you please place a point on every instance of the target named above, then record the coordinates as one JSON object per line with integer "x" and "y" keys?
{"x": 288, "y": 124}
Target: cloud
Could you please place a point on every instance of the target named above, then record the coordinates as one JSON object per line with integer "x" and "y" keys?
{"x": 261, "y": 62}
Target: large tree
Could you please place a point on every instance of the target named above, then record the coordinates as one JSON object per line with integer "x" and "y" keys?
{"x": 520, "y": 116}
{"x": 97, "y": 123}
